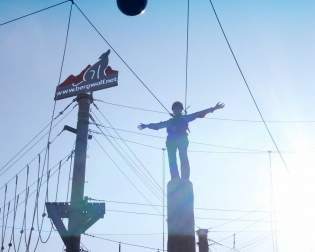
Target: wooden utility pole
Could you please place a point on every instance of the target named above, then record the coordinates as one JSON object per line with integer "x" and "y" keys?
{"x": 78, "y": 179}
{"x": 180, "y": 216}
{"x": 81, "y": 213}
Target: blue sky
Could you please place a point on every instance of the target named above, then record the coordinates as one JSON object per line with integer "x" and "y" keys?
{"x": 274, "y": 43}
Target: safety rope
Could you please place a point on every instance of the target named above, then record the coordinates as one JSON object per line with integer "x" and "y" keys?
{"x": 247, "y": 86}
{"x": 3, "y": 217}
{"x": 187, "y": 54}
{"x": 14, "y": 215}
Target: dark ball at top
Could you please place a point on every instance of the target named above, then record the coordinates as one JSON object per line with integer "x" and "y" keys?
{"x": 132, "y": 7}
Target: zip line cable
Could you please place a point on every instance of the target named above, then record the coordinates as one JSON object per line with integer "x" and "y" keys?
{"x": 126, "y": 140}
{"x": 53, "y": 171}
{"x": 122, "y": 59}
{"x": 25, "y": 206}
{"x": 131, "y": 163}
{"x": 123, "y": 243}
{"x": 133, "y": 166}
{"x": 23, "y": 151}
{"x": 33, "y": 13}
{"x": 122, "y": 172}
{"x": 130, "y": 107}
{"x": 196, "y": 217}
{"x": 210, "y": 118}
{"x": 251, "y": 152}
{"x": 38, "y": 187}
{"x": 196, "y": 208}
{"x": 47, "y": 200}
{"x": 16, "y": 247}
{"x": 39, "y": 181}
{"x": 32, "y": 160}
{"x": 222, "y": 245}
{"x": 3, "y": 216}
{"x": 48, "y": 175}
{"x": 143, "y": 177}
{"x": 29, "y": 149}
{"x": 46, "y": 155}
{"x": 248, "y": 87}
{"x": 5, "y": 225}
{"x": 13, "y": 233}
{"x": 242, "y": 151}
{"x": 160, "y": 234}
{"x": 149, "y": 175}
{"x": 153, "y": 234}
{"x": 60, "y": 74}
{"x": 187, "y": 53}
{"x": 127, "y": 234}
{"x": 40, "y": 227}
{"x": 14, "y": 215}
{"x": 191, "y": 141}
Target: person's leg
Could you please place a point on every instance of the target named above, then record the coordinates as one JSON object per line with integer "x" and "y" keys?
{"x": 171, "y": 151}
{"x": 184, "y": 162}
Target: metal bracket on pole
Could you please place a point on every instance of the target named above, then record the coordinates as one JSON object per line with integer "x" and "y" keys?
{"x": 73, "y": 130}
{"x": 89, "y": 214}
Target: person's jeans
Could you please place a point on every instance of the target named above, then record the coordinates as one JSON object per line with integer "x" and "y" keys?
{"x": 180, "y": 143}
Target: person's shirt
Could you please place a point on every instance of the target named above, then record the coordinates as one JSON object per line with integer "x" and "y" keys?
{"x": 178, "y": 125}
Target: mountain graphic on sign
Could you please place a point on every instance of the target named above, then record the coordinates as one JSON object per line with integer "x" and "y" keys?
{"x": 99, "y": 70}
{"x": 74, "y": 80}
{"x": 92, "y": 78}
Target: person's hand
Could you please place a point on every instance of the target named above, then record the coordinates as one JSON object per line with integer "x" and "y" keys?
{"x": 141, "y": 126}
{"x": 219, "y": 105}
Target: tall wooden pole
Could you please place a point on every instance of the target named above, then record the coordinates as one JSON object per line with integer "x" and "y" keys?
{"x": 78, "y": 178}
{"x": 180, "y": 216}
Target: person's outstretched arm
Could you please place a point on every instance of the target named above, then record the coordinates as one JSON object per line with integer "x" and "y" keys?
{"x": 203, "y": 113}
{"x": 154, "y": 126}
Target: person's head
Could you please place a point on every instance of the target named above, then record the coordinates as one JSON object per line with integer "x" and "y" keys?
{"x": 177, "y": 108}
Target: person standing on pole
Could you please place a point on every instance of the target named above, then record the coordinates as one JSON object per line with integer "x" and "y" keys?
{"x": 177, "y": 128}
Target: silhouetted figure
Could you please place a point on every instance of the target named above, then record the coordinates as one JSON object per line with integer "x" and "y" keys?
{"x": 177, "y": 128}
{"x": 97, "y": 71}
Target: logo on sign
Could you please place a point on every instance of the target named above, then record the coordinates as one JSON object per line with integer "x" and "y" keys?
{"x": 92, "y": 78}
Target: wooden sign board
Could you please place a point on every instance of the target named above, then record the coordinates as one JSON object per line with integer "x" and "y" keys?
{"x": 93, "y": 77}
